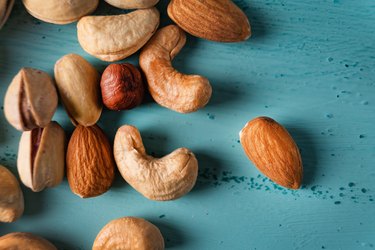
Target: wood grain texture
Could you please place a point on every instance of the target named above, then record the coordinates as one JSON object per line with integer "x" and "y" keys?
{"x": 309, "y": 65}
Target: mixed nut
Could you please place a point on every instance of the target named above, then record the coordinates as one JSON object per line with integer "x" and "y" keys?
{"x": 90, "y": 162}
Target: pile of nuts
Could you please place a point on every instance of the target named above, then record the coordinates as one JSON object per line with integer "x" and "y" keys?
{"x": 88, "y": 158}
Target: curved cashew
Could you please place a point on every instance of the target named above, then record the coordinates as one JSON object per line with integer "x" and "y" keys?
{"x": 11, "y": 197}
{"x": 167, "y": 178}
{"x": 170, "y": 88}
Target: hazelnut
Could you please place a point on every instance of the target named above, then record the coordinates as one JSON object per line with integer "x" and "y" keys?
{"x": 122, "y": 87}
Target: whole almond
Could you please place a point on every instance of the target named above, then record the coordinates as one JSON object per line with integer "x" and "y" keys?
{"x": 273, "y": 151}
{"x": 89, "y": 162}
{"x": 216, "y": 20}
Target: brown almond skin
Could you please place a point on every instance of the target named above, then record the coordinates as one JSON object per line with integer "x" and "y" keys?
{"x": 122, "y": 87}
{"x": 273, "y": 151}
{"x": 215, "y": 20}
{"x": 89, "y": 161}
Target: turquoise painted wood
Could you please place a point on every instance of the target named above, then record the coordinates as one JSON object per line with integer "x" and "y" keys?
{"x": 309, "y": 65}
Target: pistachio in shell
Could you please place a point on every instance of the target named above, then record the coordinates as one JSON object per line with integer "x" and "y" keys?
{"x": 41, "y": 157}
{"x": 31, "y": 100}
{"x": 5, "y": 9}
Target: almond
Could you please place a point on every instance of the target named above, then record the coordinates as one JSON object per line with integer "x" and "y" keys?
{"x": 216, "y": 20}
{"x": 273, "y": 151}
{"x": 89, "y": 161}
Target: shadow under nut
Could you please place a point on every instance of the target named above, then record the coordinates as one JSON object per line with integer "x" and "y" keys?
{"x": 170, "y": 88}
{"x": 167, "y": 178}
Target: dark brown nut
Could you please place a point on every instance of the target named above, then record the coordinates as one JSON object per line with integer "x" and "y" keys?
{"x": 122, "y": 87}
{"x": 31, "y": 100}
{"x": 24, "y": 241}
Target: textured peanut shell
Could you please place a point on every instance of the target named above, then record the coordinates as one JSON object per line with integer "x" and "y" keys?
{"x": 24, "y": 241}
{"x": 167, "y": 178}
{"x": 170, "y": 88}
{"x": 216, "y": 20}
{"x": 89, "y": 162}
{"x": 129, "y": 233}
{"x": 60, "y": 11}
{"x": 5, "y": 9}
{"x": 273, "y": 151}
{"x": 132, "y": 4}
{"x": 41, "y": 157}
{"x": 11, "y": 197}
{"x": 78, "y": 83}
{"x": 31, "y": 100}
{"x": 112, "y": 38}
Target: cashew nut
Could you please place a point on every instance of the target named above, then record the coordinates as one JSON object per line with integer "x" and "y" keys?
{"x": 11, "y": 197}
{"x": 129, "y": 233}
{"x": 167, "y": 178}
{"x": 170, "y": 88}
{"x": 25, "y": 241}
{"x": 132, "y": 4}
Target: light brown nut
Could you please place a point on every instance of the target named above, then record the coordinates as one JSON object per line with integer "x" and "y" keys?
{"x": 89, "y": 162}
{"x": 5, "y": 9}
{"x": 132, "y": 4}
{"x": 41, "y": 157}
{"x": 78, "y": 83}
{"x": 122, "y": 87}
{"x": 11, "y": 197}
{"x": 216, "y": 20}
{"x": 129, "y": 233}
{"x": 273, "y": 151}
{"x": 170, "y": 88}
{"x": 112, "y": 38}
{"x": 167, "y": 178}
{"x": 31, "y": 100}
{"x": 60, "y": 11}
{"x": 24, "y": 241}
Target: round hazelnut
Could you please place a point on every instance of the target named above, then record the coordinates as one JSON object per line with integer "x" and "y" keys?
{"x": 122, "y": 87}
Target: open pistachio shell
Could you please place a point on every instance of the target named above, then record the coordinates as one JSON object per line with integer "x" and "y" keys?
{"x": 60, "y": 11}
{"x": 31, "y": 100}
{"x": 5, "y": 9}
{"x": 11, "y": 197}
{"x": 41, "y": 157}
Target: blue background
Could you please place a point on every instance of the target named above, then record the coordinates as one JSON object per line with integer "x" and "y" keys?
{"x": 310, "y": 65}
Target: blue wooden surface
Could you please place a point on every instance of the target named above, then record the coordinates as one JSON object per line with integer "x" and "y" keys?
{"x": 309, "y": 65}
